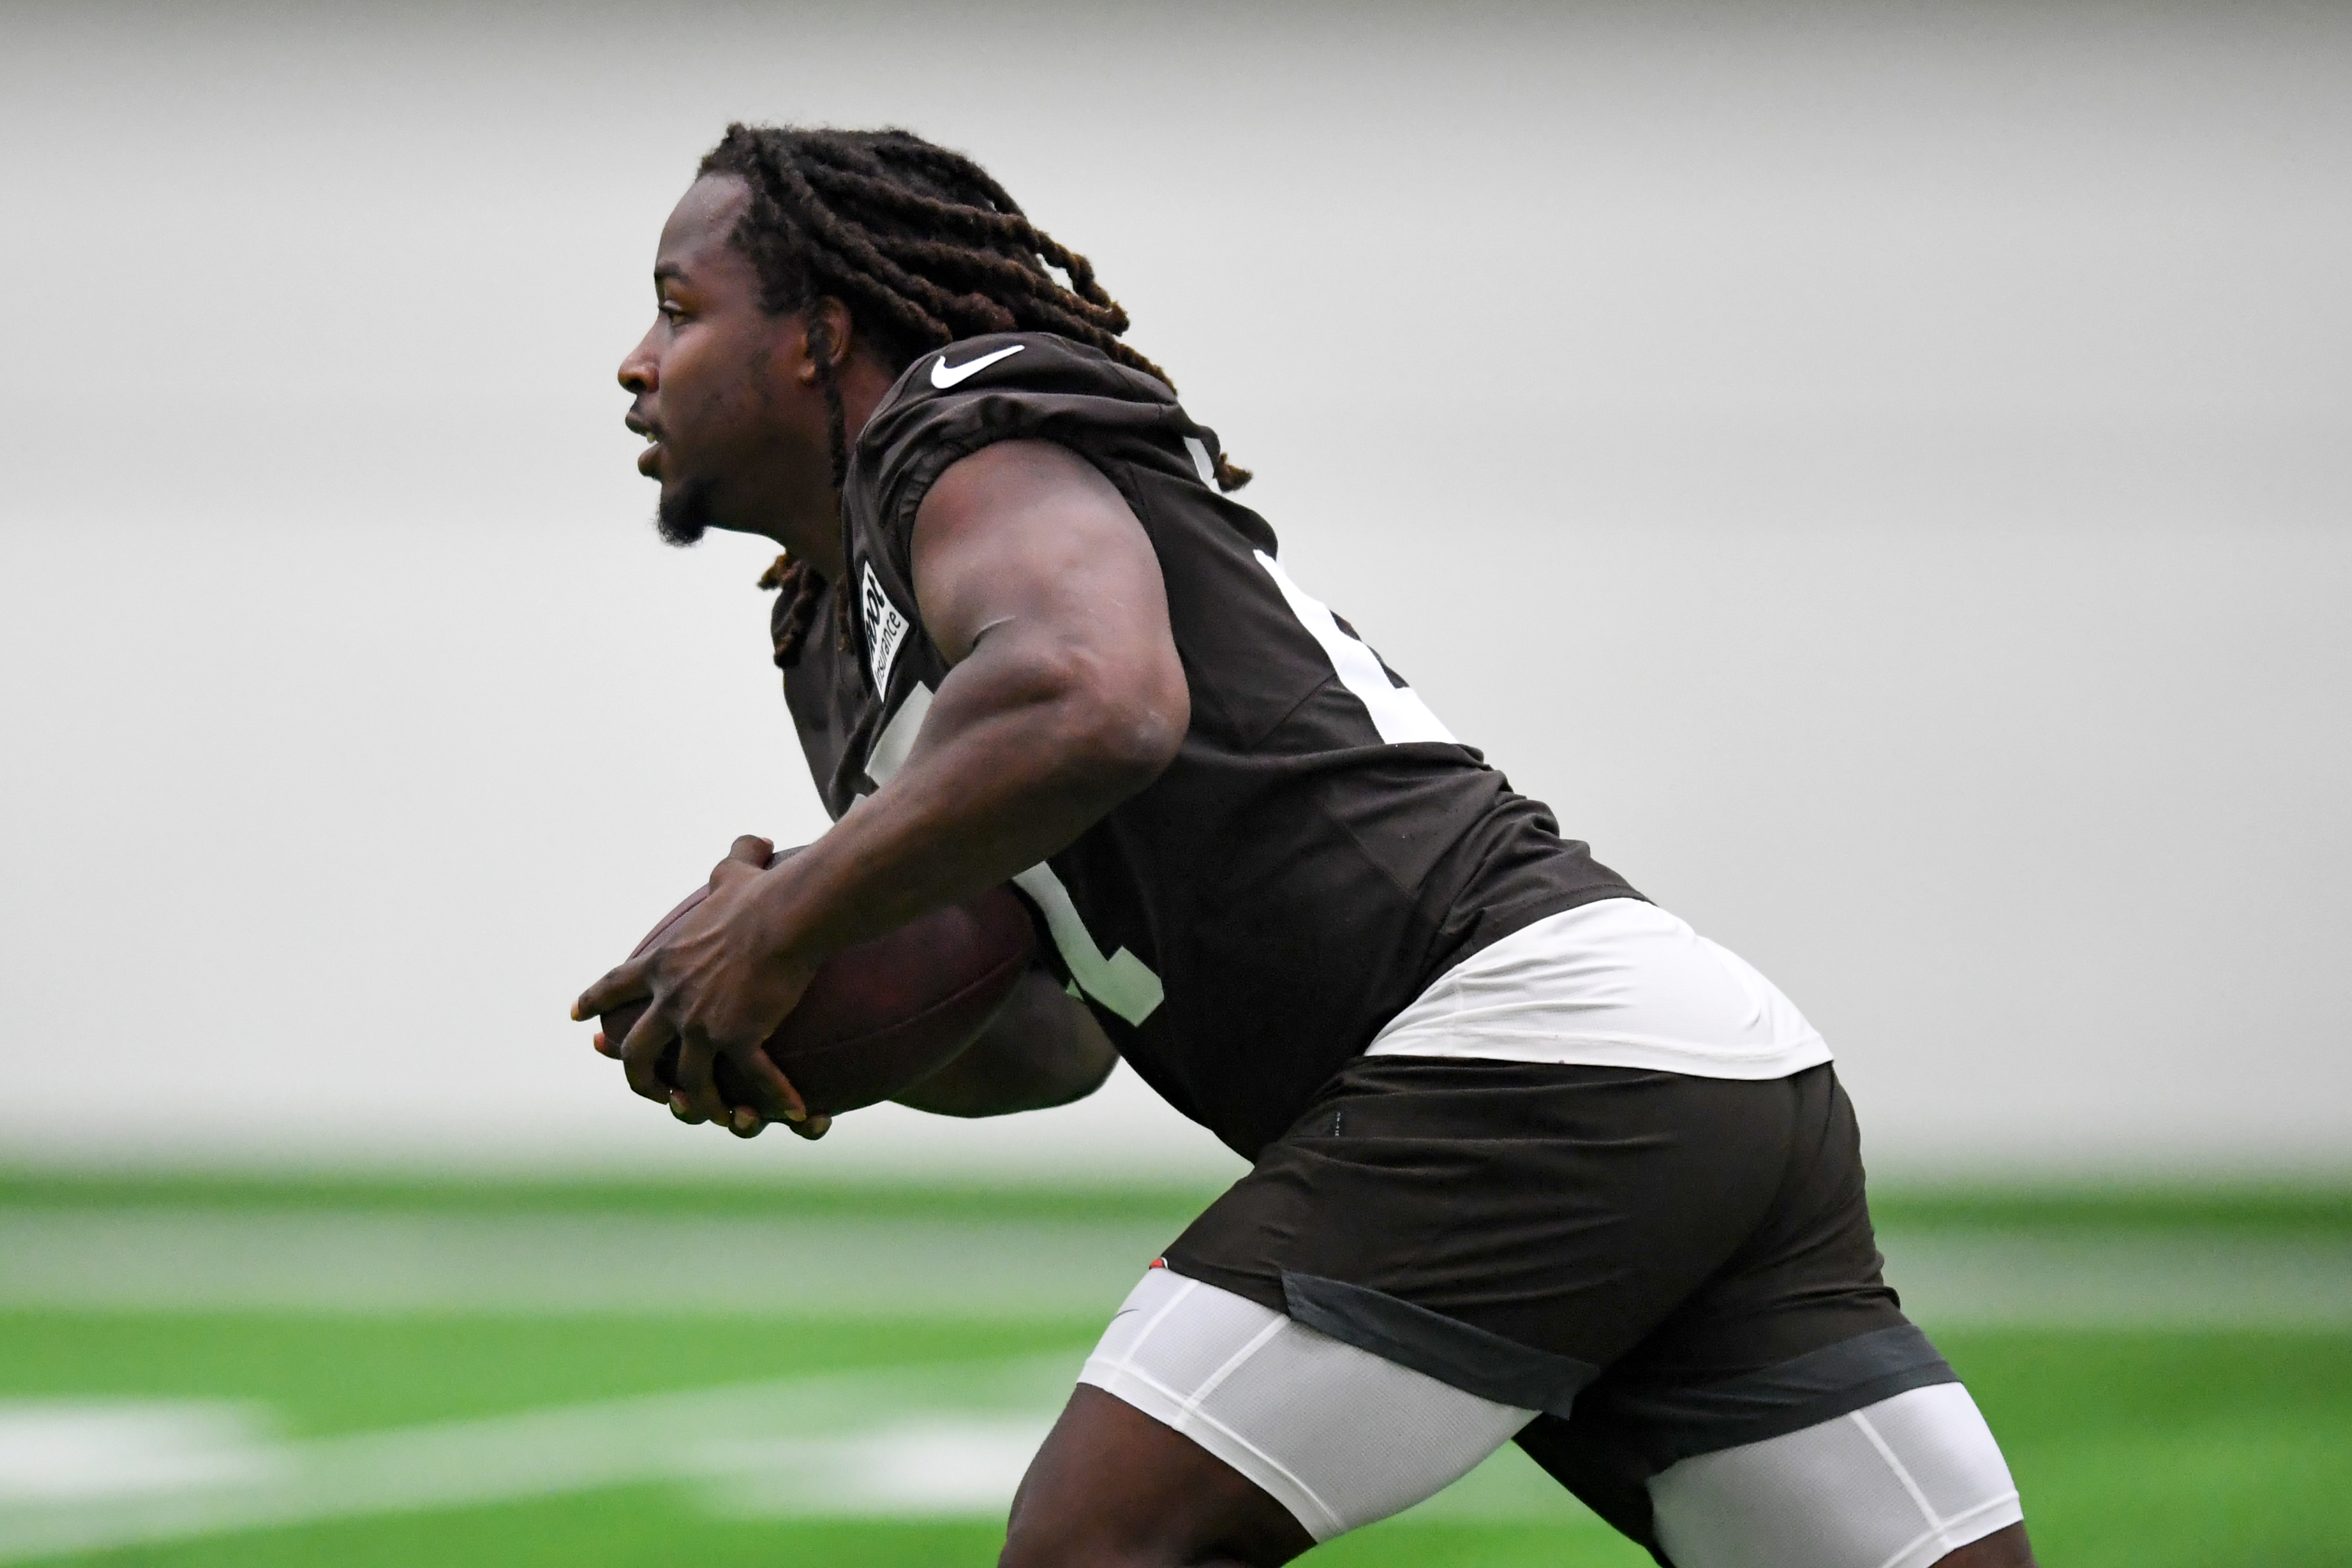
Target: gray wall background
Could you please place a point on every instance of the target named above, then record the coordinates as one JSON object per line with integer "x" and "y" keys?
{"x": 1882, "y": 474}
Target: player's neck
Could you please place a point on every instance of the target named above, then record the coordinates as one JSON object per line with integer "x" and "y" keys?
{"x": 808, "y": 525}
{"x": 863, "y": 382}
{"x": 809, "y": 532}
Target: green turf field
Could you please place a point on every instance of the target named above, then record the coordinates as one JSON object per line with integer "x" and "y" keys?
{"x": 200, "y": 1372}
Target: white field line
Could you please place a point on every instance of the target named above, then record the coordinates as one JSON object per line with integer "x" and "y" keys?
{"x": 841, "y": 1426}
{"x": 398, "y": 1265}
{"x": 943, "y": 1441}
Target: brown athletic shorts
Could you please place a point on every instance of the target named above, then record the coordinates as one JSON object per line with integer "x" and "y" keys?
{"x": 1662, "y": 1265}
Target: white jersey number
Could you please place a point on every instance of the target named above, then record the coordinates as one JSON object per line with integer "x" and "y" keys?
{"x": 1398, "y": 712}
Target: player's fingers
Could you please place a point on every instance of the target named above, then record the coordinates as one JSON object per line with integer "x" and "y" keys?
{"x": 624, "y": 983}
{"x": 773, "y": 1094}
{"x": 747, "y": 1122}
{"x": 604, "y": 1047}
{"x": 697, "y": 1098}
{"x": 641, "y": 1053}
{"x": 813, "y": 1129}
{"x": 750, "y": 852}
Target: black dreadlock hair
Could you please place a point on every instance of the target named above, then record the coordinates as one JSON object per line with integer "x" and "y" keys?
{"x": 925, "y": 248}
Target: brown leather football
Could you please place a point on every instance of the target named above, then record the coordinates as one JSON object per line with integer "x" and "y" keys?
{"x": 884, "y": 1015}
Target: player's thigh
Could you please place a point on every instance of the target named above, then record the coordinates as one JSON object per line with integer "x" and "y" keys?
{"x": 1210, "y": 1429}
{"x": 1112, "y": 1487}
{"x": 2004, "y": 1548}
{"x": 1912, "y": 1480}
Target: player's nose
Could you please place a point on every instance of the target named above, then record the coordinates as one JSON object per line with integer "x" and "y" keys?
{"x": 640, "y": 372}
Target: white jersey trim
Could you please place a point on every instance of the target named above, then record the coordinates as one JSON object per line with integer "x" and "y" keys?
{"x": 1616, "y": 983}
{"x": 1398, "y": 712}
{"x": 1121, "y": 982}
{"x": 898, "y": 737}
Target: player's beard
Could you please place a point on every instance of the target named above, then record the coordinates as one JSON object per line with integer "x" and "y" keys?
{"x": 684, "y": 515}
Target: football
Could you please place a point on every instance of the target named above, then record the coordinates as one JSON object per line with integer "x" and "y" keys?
{"x": 882, "y": 1016}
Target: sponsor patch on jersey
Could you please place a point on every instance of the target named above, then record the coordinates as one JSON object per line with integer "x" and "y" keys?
{"x": 886, "y": 629}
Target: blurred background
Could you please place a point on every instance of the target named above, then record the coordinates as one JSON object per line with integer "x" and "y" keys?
{"x": 1883, "y": 472}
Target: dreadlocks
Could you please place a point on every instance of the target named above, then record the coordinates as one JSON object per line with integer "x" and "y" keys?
{"x": 925, "y": 248}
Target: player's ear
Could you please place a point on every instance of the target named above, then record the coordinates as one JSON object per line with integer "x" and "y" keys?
{"x": 828, "y": 334}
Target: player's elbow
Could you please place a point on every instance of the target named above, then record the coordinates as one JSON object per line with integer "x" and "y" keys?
{"x": 1074, "y": 1074}
{"x": 1044, "y": 1048}
{"x": 1119, "y": 725}
{"x": 1086, "y": 1066}
{"x": 1130, "y": 744}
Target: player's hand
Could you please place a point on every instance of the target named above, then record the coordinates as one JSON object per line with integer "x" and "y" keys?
{"x": 716, "y": 989}
{"x": 744, "y": 1121}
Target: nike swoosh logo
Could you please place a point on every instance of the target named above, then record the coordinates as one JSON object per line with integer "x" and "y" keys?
{"x": 946, "y": 375}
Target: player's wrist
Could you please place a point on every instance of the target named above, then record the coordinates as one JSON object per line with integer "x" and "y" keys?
{"x": 780, "y": 929}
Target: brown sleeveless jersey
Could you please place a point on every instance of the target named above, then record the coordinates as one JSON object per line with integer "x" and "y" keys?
{"x": 1321, "y": 848}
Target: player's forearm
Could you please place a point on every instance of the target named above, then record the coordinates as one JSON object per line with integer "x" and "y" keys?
{"x": 1044, "y": 1049}
{"x": 1027, "y": 745}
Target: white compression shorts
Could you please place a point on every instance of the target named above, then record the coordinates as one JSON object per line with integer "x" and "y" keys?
{"x": 1341, "y": 1437}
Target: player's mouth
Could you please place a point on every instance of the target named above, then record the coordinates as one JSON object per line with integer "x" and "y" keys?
{"x": 649, "y": 460}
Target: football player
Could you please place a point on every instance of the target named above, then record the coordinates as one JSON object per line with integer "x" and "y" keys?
{"x": 1531, "y": 1159}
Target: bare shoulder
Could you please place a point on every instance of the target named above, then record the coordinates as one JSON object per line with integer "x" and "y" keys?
{"x": 1012, "y": 476}
{"x": 1021, "y": 529}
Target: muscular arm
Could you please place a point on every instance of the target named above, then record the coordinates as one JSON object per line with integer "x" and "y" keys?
{"x": 1044, "y": 1049}
{"x": 1066, "y": 696}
